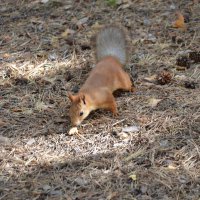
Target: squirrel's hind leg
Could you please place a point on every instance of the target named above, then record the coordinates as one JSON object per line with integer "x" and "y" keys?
{"x": 127, "y": 83}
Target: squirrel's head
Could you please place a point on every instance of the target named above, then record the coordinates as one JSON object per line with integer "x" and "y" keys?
{"x": 79, "y": 108}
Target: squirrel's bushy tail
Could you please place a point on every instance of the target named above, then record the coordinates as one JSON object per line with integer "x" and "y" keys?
{"x": 111, "y": 41}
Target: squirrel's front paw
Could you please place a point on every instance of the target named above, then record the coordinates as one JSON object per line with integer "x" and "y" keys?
{"x": 133, "y": 89}
{"x": 115, "y": 114}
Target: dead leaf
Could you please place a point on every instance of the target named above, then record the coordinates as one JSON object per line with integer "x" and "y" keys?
{"x": 151, "y": 79}
{"x": 16, "y": 110}
{"x": 67, "y": 7}
{"x": 142, "y": 119}
{"x": 134, "y": 155}
{"x": 123, "y": 4}
{"x": 148, "y": 84}
{"x": 6, "y": 55}
{"x": 133, "y": 177}
{"x": 122, "y": 135}
{"x": 55, "y": 42}
{"x": 35, "y": 20}
{"x": 40, "y": 106}
{"x": 171, "y": 166}
{"x": 180, "y": 23}
{"x": 96, "y": 26}
{"x": 180, "y": 77}
{"x": 154, "y": 102}
{"x": 28, "y": 112}
{"x": 112, "y": 195}
{"x": 7, "y": 38}
{"x": 179, "y": 68}
{"x": 2, "y": 123}
{"x": 66, "y": 33}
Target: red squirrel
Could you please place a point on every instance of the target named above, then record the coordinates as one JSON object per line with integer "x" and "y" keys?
{"x": 107, "y": 76}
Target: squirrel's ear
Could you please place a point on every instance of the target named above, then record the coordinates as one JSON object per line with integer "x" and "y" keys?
{"x": 71, "y": 97}
{"x": 83, "y": 98}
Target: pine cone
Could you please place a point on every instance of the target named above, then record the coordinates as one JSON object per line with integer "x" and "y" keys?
{"x": 164, "y": 77}
{"x": 183, "y": 62}
{"x": 195, "y": 56}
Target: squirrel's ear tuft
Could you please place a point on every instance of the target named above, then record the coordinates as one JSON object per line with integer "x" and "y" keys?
{"x": 82, "y": 98}
{"x": 71, "y": 97}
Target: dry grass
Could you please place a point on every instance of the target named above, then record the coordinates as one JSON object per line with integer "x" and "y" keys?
{"x": 39, "y": 160}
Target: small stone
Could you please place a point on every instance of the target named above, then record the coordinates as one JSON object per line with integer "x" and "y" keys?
{"x": 151, "y": 38}
{"x": 164, "y": 143}
{"x": 56, "y": 192}
{"x": 52, "y": 57}
{"x": 81, "y": 181}
{"x": 143, "y": 189}
{"x": 182, "y": 179}
{"x": 44, "y": 1}
{"x": 31, "y": 141}
{"x": 4, "y": 140}
{"x": 46, "y": 188}
{"x": 146, "y": 22}
{"x": 83, "y": 20}
{"x": 131, "y": 129}
{"x": 172, "y": 7}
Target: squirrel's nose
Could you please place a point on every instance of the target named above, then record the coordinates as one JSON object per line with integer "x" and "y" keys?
{"x": 77, "y": 123}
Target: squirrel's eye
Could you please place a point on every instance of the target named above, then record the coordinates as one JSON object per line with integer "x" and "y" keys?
{"x": 81, "y": 113}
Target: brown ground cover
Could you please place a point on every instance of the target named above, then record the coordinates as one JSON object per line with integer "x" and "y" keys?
{"x": 45, "y": 51}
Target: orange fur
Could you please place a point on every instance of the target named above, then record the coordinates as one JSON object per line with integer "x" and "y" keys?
{"x": 97, "y": 91}
{"x": 180, "y": 23}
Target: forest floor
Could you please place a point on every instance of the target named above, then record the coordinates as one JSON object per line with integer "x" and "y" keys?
{"x": 150, "y": 151}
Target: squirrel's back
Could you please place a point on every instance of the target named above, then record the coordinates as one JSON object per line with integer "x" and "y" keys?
{"x": 111, "y": 41}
